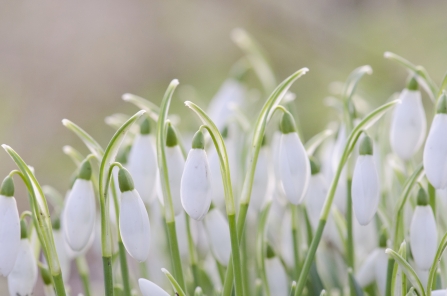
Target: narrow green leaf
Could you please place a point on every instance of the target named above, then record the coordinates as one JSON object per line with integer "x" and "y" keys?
{"x": 353, "y": 283}
{"x": 151, "y": 109}
{"x": 408, "y": 270}
{"x": 174, "y": 283}
{"x": 353, "y": 80}
{"x": 317, "y": 140}
{"x": 434, "y": 267}
{"x": 88, "y": 140}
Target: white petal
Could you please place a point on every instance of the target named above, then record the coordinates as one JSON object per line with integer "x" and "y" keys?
{"x": 175, "y": 162}
{"x": 195, "y": 185}
{"x": 276, "y": 277}
{"x": 142, "y": 165}
{"x": 423, "y": 237}
{"x": 148, "y": 288}
{"x": 134, "y": 225}
{"x": 439, "y": 293}
{"x": 79, "y": 214}
{"x": 63, "y": 253}
{"x": 366, "y": 273}
{"x": 218, "y": 235}
{"x": 294, "y": 167}
{"x": 315, "y": 197}
{"x": 9, "y": 233}
{"x": 23, "y": 277}
{"x": 365, "y": 189}
{"x": 435, "y": 152}
{"x": 408, "y": 125}
{"x": 260, "y": 181}
{"x": 380, "y": 269}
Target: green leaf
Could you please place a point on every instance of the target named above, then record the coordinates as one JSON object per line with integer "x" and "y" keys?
{"x": 353, "y": 80}
{"x": 436, "y": 261}
{"x": 353, "y": 283}
{"x": 408, "y": 270}
{"x": 151, "y": 109}
{"x": 316, "y": 141}
{"x": 88, "y": 140}
{"x": 174, "y": 283}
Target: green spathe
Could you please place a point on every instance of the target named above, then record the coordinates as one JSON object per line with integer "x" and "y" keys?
{"x": 287, "y": 124}
{"x": 85, "y": 171}
{"x": 23, "y": 229}
{"x": 442, "y": 104}
{"x": 198, "y": 142}
{"x": 383, "y": 238}
{"x": 7, "y": 188}
{"x": 145, "y": 126}
{"x": 314, "y": 165}
{"x": 366, "y": 146}
{"x": 422, "y": 197}
{"x": 270, "y": 253}
{"x": 413, "y": 84}
{"x": 171, "y": 137}
{"x": 125, "y": 180}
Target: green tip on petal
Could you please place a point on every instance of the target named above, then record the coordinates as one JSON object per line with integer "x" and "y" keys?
{"x": 383, "y": 238}
{"x": 270, "y": 252}
{"x": 7, "y": 187}
{"x": 23, "y": 229}
{"x": 198, "y": 142}
{"x": 85, "y": 171}
{"x": 46, "y": 276}
{"x": 56, "y": 224}
{"x": 413, "y": 84}
{"x": 123, "y": 153}
{"x": 442, "y": 104}
{"x": 366, "y": 146}
{"x": 314, "y": 165}
{"x": 171, "y": 137}
{"x": 287, "y": 124}
{"x": 145, "y": 126}
{"x": 422, "y": 197}
{"x": 224, "y": 132}
{"x": 125, "y": 180}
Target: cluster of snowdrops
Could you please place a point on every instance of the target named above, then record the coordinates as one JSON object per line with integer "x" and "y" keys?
{"x": 243, "y": 206}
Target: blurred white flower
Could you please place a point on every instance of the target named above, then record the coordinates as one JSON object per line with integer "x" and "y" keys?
{"x": 148, "y": 288}
{"x": 175, "y": 163}
{"x": 276, "y": 277}
{"x": 23, "y": 277}
{"x": 260, "y": 179}
{"x": 218, "y": 235}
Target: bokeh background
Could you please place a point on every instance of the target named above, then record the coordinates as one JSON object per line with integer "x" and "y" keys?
{"x": 74, "y": 59}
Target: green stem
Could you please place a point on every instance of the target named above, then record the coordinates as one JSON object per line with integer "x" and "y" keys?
{"x": 124, "y": 269}
{"x": 84, "y": 273}
{"x": 59, "y": 284}
{"x": 245, "y": 273}
{"x": 389, "y": 277}
{"x": 175, "y": 253}
{"x": 237, "y": 265}
{"x": 296, "y": 254}
{"x": 108, "y": 275}
{"x": 350, "y": 256}
{"x": 192, "y": 253}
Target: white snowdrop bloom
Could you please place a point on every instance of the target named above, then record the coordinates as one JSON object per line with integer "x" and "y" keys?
{"x": 218, "y": 235}
{"x": 142, "y": 163}
{"x": 148, "y": 288}
{"x": 435, "y": 150}
{"x": 80, "y": 210}
{"x": 366, "y": 273}
{"x": 408, "y": 124}
{"x": 439, "y": 293}
{"x": 261, "y": 179}
{"x": 380, "y": 270}
{"x": 294, "y": 167}
{"x": 23, "y": 277}
{"x": 195, "y": 191}
{"x": 276, "y": 276}
{"x": 365, "y": 184}
{"x": 9, "y": 227}
{"x": 175, "y": 163}
{"x": 423, "y": 233}
{"x": 231, "y": 92}
{"x": 133, "y": 221}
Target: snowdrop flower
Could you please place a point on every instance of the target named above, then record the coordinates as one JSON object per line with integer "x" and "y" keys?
{"x": 142, "y": 163}
{"x": 408, "y": 125}
{"x": 133, "y": 221}
{"x": 439, "y": 293}
{"x": 294, "y": 167}
{"x": 195, "y": 190}
{"x": 64, "y": 252}
{"x": 23, "y": 277}
{"x": 148, "y": 288}
{"x": 218, "y": 235}
{"x": 261, "y": 179}
{"x": 10, "y": 227}
{"x": 80, "y": 210}
{"x": 365, "y": 183}
{"x": 423, "y": 233}
{"x": 435, "y": 150}
{"x": 175, "y": 163}
{"x": 276, "y": 275}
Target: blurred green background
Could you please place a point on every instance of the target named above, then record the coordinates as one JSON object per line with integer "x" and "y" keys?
{"x": 74, "y": 59}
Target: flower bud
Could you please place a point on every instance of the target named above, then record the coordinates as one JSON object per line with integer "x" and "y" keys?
{"x": 134, "y": 221}
{"x": 142, "y": 163}
{"x": 408, "y": 125}
{"x": 175, "y": 163}
{"x": 80, "y": 210}
{"x": 294, "y": 167}
{"x": 195, "y": 188}
{"x": 10, "y": 227}
{"x": 423, "y": 233}
{"x": 365, "y": 184}
{"x": 23, "y": 277}
{"x": 435, "y": 150}
{"x": 218, "y": 235}
{"x": 148, "y": 288}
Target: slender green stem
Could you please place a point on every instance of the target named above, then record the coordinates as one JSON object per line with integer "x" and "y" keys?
{"x": 84, "y": 273}
{"x": 245, "y": 274}
{"x": 237, "y": 265}
{"x": 124, "y": 269}
{"x": 350, "y": 256}
{"x": 59, "y": 284}
{"x": 175, "y": 253}
{"x": 296, "y": 252}
{"x": 108, "y": 275}
{"x": 192, "y": 253}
